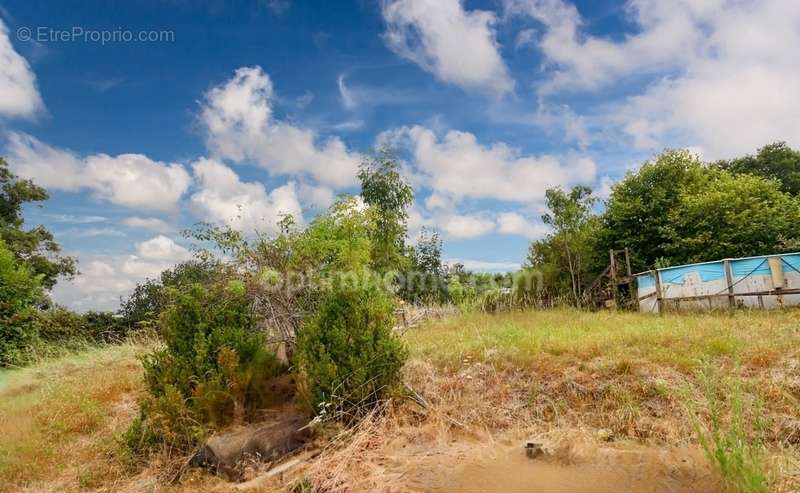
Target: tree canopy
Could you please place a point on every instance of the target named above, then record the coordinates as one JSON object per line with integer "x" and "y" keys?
{"x": 35, "y": 247}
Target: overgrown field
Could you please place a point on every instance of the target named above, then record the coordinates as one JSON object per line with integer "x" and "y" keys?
{"x": 583, "y": 384}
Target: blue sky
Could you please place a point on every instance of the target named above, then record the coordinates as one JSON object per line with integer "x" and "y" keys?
{"x": 240, "y": 111}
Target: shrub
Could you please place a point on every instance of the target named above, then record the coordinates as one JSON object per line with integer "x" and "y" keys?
{"x": 149, "y": 298}
{"x": 20, "y": 293}
{"x": 213, "y": 370}
{"x": 59, "y": 325}
{"x": 347, "y": 352}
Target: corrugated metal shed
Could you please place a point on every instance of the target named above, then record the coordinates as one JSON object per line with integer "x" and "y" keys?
{"x": 767, "y": 281}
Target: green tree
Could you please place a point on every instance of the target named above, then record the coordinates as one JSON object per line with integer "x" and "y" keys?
{"x": 347, "y": 352}
{"x": 565, "y": 256}
{"x": 20, "y": 293}
{"x": 425, "y": 280}
{"x": 35, "y": 247}
{"x": 150, "y": 297}
{"x": 386, "y": 191}
{"x": 727, "y": 215}
{"x": 636, "y": 214}
{"x": 212, "y": 371}
{"x": 777, "y": 161}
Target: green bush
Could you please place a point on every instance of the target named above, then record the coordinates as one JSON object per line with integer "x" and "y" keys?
{"x": 60, "y": 325}
{"x": 213, "y": 370}
{"x": 20, "y": 294}
{"x": 347, "y": 352}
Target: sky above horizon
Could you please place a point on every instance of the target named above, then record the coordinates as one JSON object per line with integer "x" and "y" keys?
{"x": 144, "y": 118}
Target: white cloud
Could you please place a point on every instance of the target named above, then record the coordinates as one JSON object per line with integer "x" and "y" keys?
{"x": 457, "y": 46}
{"x": 513, "y": 223}
{"x": 98, "y": 287}
{"x": 240, "y": 125}
{"x": 149, "y": 223}
{"x": 317, "y": 197}
{"x": 605, "y": 188}
{"x": 130, "y": 180}
{"x": 461, "y": 226}
{"x": 460, "y": 167}
{"x": 103, "y": 280}
{"x": 154, "y": 256}
{"x": 348, "y": 100}
{"x": 588, "y": 62}
{"x": 723, "y": 74}
{"x": 91, "y": 232}
{"x": 19, "y": 95}
{"x": 223, "y": 197}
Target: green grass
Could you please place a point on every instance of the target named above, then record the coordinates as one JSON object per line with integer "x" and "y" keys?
{"x": 732, "y": 440}
{"x": 59, "y": 419}
{"x": 565, "y": 336}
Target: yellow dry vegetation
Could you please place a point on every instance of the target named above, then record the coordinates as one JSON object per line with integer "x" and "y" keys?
{"x": 594, "y": 388}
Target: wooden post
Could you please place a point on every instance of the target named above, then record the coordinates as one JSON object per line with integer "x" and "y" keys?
{"x": 659, "y": 299}
{"x": 613, "y": 263}
{"x": 628, "y": 262}
{"x": 729, "y": 281}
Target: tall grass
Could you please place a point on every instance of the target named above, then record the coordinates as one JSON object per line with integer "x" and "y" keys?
{"x": 732, "y": 440}
{"x": 59, "y": 420}
{"x": 564, "y": 336}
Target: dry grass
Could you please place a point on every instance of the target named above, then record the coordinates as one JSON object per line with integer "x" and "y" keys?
{"x": 562, "y": 374}
{"x": 59, "y": 420}
{"x": 601, "y": 380}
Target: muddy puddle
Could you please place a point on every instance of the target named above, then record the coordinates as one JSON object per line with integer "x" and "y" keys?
{"x": 506, "y": 469}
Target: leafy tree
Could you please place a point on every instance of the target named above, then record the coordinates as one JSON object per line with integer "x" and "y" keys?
{"x": 347, "y": 352}
{"x": 35, "y": 247}
{"x": 636, "y": 214}
{"x": 150, "y": 297}
{"x": 385, "y": 190}
{"x": 777, "y": 161}
{"x": 570, "y": 247}
{"x": 20, "y": 293}
{"x": 726, "y": 215}
{"x": 425, "y": 280}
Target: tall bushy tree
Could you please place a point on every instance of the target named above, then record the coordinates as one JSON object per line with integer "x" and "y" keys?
{"x": 149, "y": 298}
{"x": 386, "y": 191}
{"x": 569, "y": 249}
{"x": 35, "y": 247}
{"x": 20, "y": 293}
{"x": 777, "y": 161}
{"x": 726, "y": 215}
{"x": 636, "y": 214}
{"x": 425, "y": 280}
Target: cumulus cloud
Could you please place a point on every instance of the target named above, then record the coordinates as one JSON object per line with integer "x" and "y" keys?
{"x": 459, "y": 166}
{"x": 723, "y": 75}
{"x": 513, "y": 223}
{"x": 130, "y": 180}
{"x": 148, "y": 223}
{"x": 457, "y": 46}
{"x": 103, "y": 280}
{"x": 589, "y": 62}
{"x": 247, "y": 206}
{"x": 461, "y": 226}
{"x": 19, "y": 96}
{"x": 240, "y": 125}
